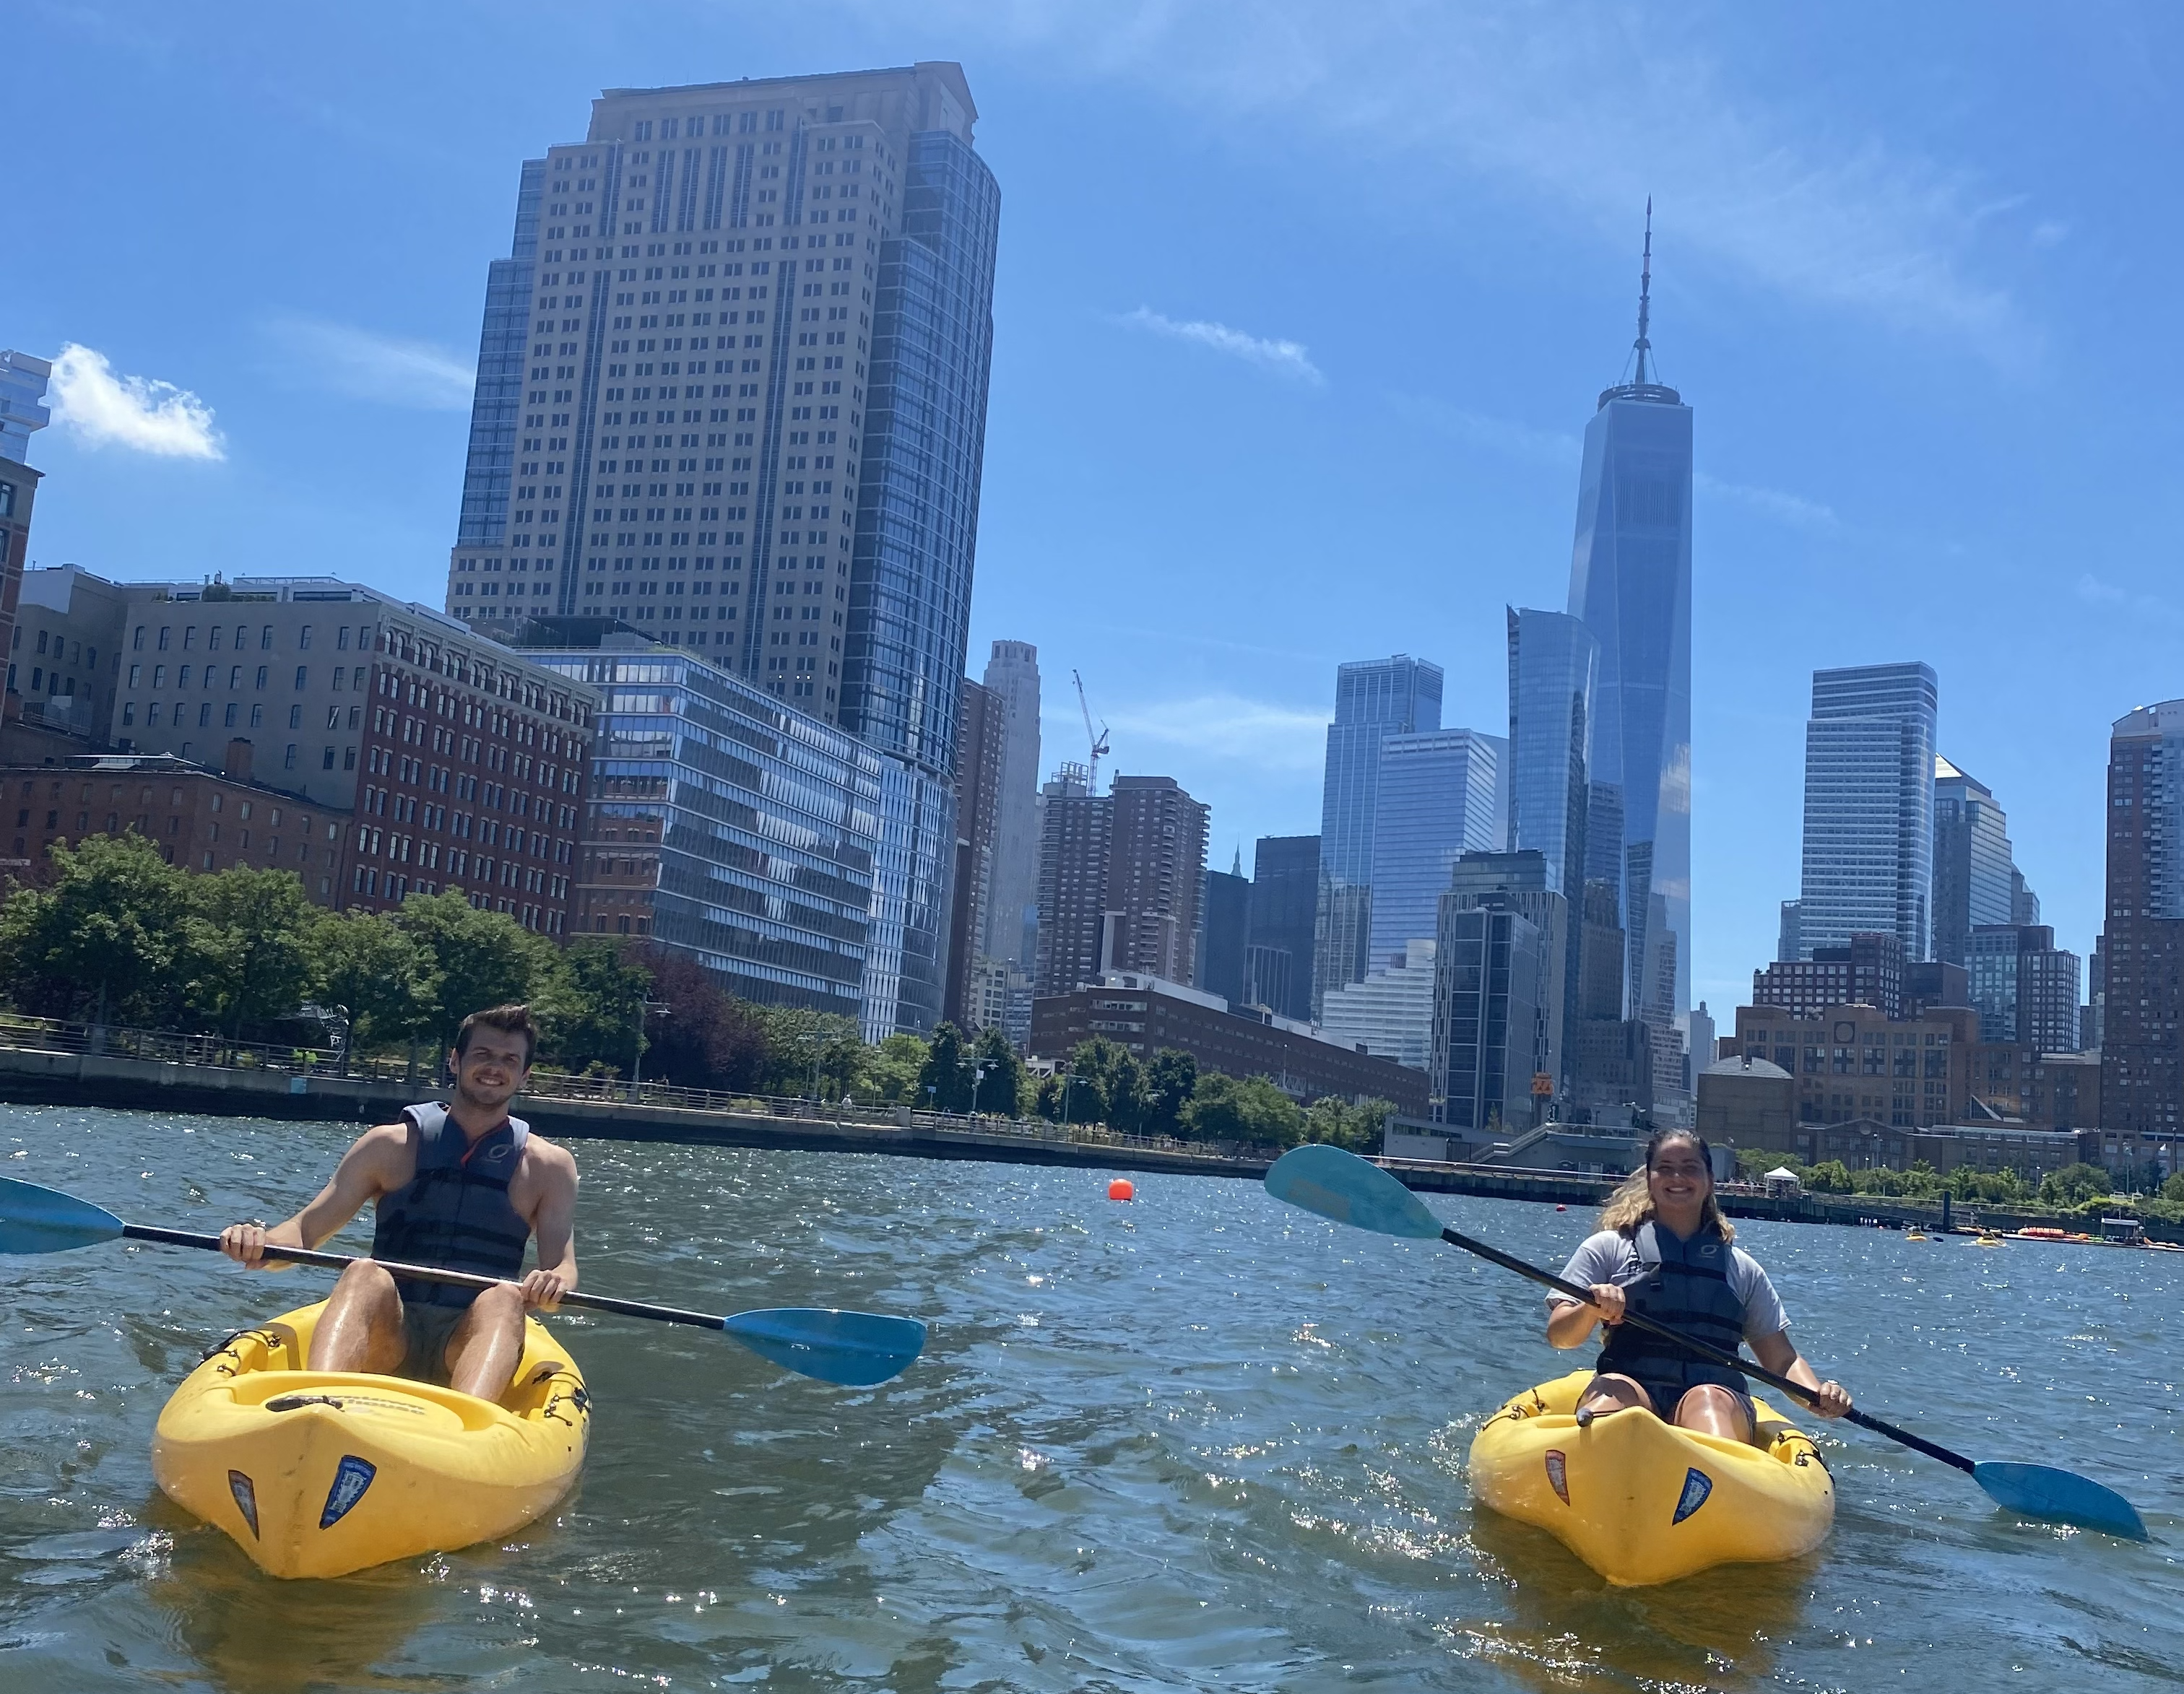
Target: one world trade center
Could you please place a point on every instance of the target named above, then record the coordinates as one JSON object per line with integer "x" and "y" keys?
{"x": 1630, "y": 582}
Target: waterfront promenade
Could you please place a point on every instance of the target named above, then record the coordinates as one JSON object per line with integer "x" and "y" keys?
{"x": 45, "y": 1061}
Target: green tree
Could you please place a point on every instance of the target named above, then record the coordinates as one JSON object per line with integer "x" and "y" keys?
{"x": 1171, "y": 1075}
{"x": 1339, "y": 1125}
{"x": 944, "y": 1080}
{"x": 483, "y": 958}
{"x": 2173, "y": 1189}
{"x": 2075, "y": 1185}
{"x": 1224, "y": 1109}
{"x": 710, "y": 1039}
{"x": 890, "y": 1070}
{"x": 105, "y": 932}
{"x": 1827, "y": 1177}
{"x": 364, "y": 961}
{"x": 1124, "y": 1085}
{"x": 592, "y": 1007}
{"x": 1001, "y": 1086}
{"x": 808, "y": 1050}
{"x": 250, "y": 946}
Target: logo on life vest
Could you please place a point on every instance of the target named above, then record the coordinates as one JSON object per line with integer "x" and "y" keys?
{"x": 246, "y": 1499}
{"x": 494, "y": 1156}
{"x": 1559, "y": 1475}
{"x": 1697, "y": 1484}
{"x": 351, "y": 1479}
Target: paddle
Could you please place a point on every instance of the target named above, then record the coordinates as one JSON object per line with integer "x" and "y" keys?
{"x": 855, "y": 1349}
{"x": 1349, "y": 1190}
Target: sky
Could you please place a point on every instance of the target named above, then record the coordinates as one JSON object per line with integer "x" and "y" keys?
{"x": 1301, "y": 312}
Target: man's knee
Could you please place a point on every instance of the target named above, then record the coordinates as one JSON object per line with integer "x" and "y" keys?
{"x": 366, "y": 1280}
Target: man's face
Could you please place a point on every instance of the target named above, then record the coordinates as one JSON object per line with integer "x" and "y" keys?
{"x": 491, "y": 1070}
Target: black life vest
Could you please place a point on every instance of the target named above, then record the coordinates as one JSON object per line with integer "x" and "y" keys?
{"x": 454, "y": 1213}
{"x": 1684, "y": 1285}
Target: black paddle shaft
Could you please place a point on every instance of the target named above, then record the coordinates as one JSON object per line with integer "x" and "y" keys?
{"x": 307, "y": 1255}
{"x": 1711, "y": 1355}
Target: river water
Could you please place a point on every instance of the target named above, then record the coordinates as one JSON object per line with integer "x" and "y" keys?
{"x": 1200, "y": 1441}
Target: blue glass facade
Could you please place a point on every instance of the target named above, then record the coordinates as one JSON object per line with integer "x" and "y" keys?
{"x": 1553, "y": 662}
{"x": 1975, "y": 878}
{"x": 1630, "y": 581}
{"x": 1869, "y": 844}
{"x": 906, "y": 960}
{"x": 1434, "y": 804}
{"x": 489, "y": 471}
{"x": 917, "y": 516}
{"x": 743, "y": 832}
{"x": 1374, "y": 700}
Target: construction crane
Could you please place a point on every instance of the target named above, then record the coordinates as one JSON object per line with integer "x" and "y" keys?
{"x": 1099, "y": 742}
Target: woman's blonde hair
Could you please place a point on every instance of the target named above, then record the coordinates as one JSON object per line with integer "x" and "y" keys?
{"x": 1632, "y": 1204}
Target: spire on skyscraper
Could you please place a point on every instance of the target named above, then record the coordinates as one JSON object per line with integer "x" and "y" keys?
{"x": 1642, "y": 387}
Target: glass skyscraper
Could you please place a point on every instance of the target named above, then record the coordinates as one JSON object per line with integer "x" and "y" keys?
{"x": 1435, "y": 802}
{"x": 1374, "y": 700}
{"x": 1553, "y": 662}
{"x": 1974, "y": 866}
{"x": 1630, "y": 581}
{"x": 1869, "y": 847}
{"x": 819, "y": 252}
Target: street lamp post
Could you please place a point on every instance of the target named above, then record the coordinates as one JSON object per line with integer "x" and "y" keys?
{"x": 646, "y": 1008}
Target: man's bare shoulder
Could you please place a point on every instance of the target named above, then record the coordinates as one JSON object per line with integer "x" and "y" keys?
{"x": 383, "y": 1138}
{"x": 551, "y": 1157}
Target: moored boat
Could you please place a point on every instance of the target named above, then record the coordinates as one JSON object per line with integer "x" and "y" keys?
{"x": 1643, "y": 1502}
{"x": 322, "y": 1473}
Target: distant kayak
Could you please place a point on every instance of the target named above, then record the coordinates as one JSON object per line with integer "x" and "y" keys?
{"x": 322, "y": 1473}
{"x": 1643, "y": 1502}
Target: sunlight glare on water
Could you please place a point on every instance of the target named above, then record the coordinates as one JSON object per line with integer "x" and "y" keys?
{"x": 1198, "y": 1440}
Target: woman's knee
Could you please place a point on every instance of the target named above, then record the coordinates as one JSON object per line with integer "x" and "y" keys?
{"x": 1712, "y": 1408}
{"x": 1609, "y": 1392}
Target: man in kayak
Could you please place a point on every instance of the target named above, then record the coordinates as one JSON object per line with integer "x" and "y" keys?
{"x": 460, "y": 1186}
{"x": 1664, "y": 1251}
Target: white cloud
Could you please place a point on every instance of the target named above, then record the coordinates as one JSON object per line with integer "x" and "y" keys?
{"x": 136, "y": 412}
{"x": 1498, "y": 434}
{"x": 370, "y": 366}
{"x": 1260, "y": 734}
{"x": 1288, "y": 358}
{"x": 1584, "y": 108}
{"x": 1789, "y": 509}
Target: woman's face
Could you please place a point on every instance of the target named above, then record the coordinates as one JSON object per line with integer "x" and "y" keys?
{"x": 1679, "y": 1180}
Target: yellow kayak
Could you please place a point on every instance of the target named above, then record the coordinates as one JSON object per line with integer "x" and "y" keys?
{"x": 322, "y": 1473}
{"x": 1643, "y": 1502}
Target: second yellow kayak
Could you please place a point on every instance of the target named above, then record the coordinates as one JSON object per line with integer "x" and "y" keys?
{"x": 322, "y": 1473}
{"x": 1643, "y": 1502}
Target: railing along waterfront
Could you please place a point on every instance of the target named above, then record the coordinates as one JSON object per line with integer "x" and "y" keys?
{"x": 175, "y": 1047}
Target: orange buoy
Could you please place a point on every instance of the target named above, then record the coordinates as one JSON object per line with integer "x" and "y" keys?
{"x": 1122, "y": 1189}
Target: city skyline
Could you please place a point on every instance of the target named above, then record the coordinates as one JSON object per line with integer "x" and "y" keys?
{"x": 1555, "y": 285}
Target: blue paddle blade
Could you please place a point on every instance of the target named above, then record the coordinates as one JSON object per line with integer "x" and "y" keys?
{"x": 856, "y": 1349}
{"x": 2040, "y": 1491}
{"x": 44, "y": 1220}
{"x": 1350, "y": 1191}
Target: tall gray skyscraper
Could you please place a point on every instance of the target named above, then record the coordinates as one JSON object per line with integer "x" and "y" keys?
{"x": 1630, "y": 580}
{"x": 1012, "y": 900}
{"x": 732, "y": 390}
{"x": 1436, "y": 804}
{"x": 1284, "y": 902}
{"x": 1975, "y": 868}
{"x": 1869, "y": 852}
{"x": 1374, "y": 700}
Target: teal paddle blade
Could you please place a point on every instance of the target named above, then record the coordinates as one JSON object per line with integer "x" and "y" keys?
{"x": 856, "y": 1349}
{"x": 44, "y": 1220}
{"x": 2040, "y": 1491}
{"x": 1350, "y": 1191}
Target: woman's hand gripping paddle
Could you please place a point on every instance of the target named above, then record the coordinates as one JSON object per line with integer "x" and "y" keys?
{"x": 1349, "y": 1190}
{"x": 855, "y": 1349}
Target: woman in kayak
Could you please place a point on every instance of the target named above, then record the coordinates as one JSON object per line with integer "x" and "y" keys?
{"x": 1664, "y": 1251}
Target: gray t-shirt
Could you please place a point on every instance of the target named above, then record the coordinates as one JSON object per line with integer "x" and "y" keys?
{"x": 1612, "y": 1257}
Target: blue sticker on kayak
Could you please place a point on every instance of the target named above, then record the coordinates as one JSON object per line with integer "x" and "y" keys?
{"x": 350, "y": 1480}
{"x": 246, "y": 1499}
{"x": 1697, "y": 1484}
